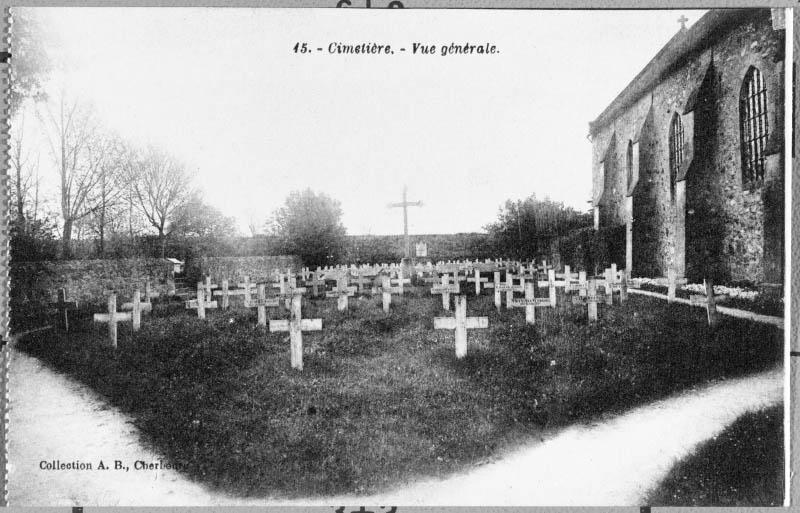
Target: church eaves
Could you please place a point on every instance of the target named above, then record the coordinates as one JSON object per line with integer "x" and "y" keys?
{"x": 685, "y": 43}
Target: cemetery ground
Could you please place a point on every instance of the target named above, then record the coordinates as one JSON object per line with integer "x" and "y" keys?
{"x": 382, "y": 399}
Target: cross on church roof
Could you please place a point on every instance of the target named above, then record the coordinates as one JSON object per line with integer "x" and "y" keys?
{"x": 682, "y": 20}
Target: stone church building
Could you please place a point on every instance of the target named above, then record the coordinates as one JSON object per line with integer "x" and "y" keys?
{"x": 690, "y": 155}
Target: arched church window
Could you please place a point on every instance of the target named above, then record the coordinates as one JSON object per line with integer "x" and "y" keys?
{"x": 675, "y": 151}
{"x": 753, "y": 125}
{"x": 629, "y": 163}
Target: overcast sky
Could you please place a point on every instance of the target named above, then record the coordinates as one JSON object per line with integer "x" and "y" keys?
{"x": 223, "y": 90}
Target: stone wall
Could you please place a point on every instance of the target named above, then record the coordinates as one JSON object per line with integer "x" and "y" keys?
{"x": 732, "y": 232}
{"x": 390, "y": 248}
{"x": 88, "y": 281}
{"x": 234, "y": 269}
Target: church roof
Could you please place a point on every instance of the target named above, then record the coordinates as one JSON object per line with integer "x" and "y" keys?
{"x": 685, "y": 43}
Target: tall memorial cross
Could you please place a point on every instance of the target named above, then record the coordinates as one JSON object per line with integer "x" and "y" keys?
{"x": 709, "y": 300}
{"x": 200, "y": 303}
{"x": 404, "y": 205}
{"x": 477, "y": 280}
{"x": 460, "y": 323}
{"x": 63, "y": 307}
{"x": 445, "y": 289}
{"x": 530, "y": 302}
{"x": 296, "y": 325}
{"x": 112, "y": 318}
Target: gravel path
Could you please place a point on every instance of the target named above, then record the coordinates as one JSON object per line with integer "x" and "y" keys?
{"x": 610, "y": 463}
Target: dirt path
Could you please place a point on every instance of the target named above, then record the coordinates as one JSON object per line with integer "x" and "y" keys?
{"x": 612, "y": 463}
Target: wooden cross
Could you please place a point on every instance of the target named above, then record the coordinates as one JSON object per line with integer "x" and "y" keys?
{"x": 361, "y": 280}
{"x": 460, "y": 323}
{"x": 296, "y": 325}
{"x": 616, "y": 284}
{"x": 136, "y": 306}
{"x": 225, "y": 295}
{"x": 551, "y": 284}
{"x": 342, "y": 292}
{"x": 112, "y": 318}
{"x": 590, "y": 300}
{"x": 226, "y": 292}
{"x": 64, "y": 306}
{"x": 246, "y": 290}
{"x": 261, "y": 303}
{"x": 445, "y": 289}
{"x": 209, "y": 287}
{"x": 478, "y": 280}
{"x": 671, "y": 285}
{"x": 200, "y": 303}
{"x": 386, "y": 292}
{"x": 530, "y": 303}
{"x": 404, "y": 205}
{"x": 148, "y": 293}
{"x": 399, "y": 281}
{"x": 682, "y": 20}
{"x": 709, "y": 300}
{"x": 498, "y": 292}
{"x": 567, "y": 276}
{"x": 315, "y": 282}
{"x": 509, "y": 288}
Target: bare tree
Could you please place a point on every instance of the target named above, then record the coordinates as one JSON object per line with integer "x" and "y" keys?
{"x": 78, "y": 152}
{"x": 25, "y": 176}
{"x": 161, "y": 187}
{"x": 107, "y": 200}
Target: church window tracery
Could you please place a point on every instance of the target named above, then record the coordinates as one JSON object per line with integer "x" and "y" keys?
{"x": 753, "y": 126}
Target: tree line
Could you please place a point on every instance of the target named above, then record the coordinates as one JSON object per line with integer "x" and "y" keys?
{"x": 106, "y": 188}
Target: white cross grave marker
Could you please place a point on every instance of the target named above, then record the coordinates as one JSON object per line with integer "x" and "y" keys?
{"x": 296, "y": 325}
{"x": 261, "y": 303}
{"x": 477, "y": 280}
{"x": 342, "y": 292}
{"x": 137, "y": 307}
{"x": 460, "y": 323}
{"x": 530, "y": 303}
{"x": 200, "y": 303}
{"x": 445, "y": 288}
{"x": 112, "y": 318}
{"x": 590, "y": 300}
{"x": 509, "y": 288}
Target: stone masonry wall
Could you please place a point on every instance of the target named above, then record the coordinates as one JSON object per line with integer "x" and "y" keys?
{"x": 88, "y": 281}
{"x": 725, "y": 221}
{"x": 234, "y": 269}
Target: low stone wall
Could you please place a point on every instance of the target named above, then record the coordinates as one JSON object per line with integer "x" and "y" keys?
{"x": 234, "y": 269}
{"x": 88, "y": 281}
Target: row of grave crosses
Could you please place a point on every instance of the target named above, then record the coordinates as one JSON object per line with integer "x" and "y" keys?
{"x": 524, "y": 281}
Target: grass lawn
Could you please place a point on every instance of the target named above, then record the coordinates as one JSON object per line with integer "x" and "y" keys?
{"x": 742, "y": 466}
{"x": 382, "y": 397}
